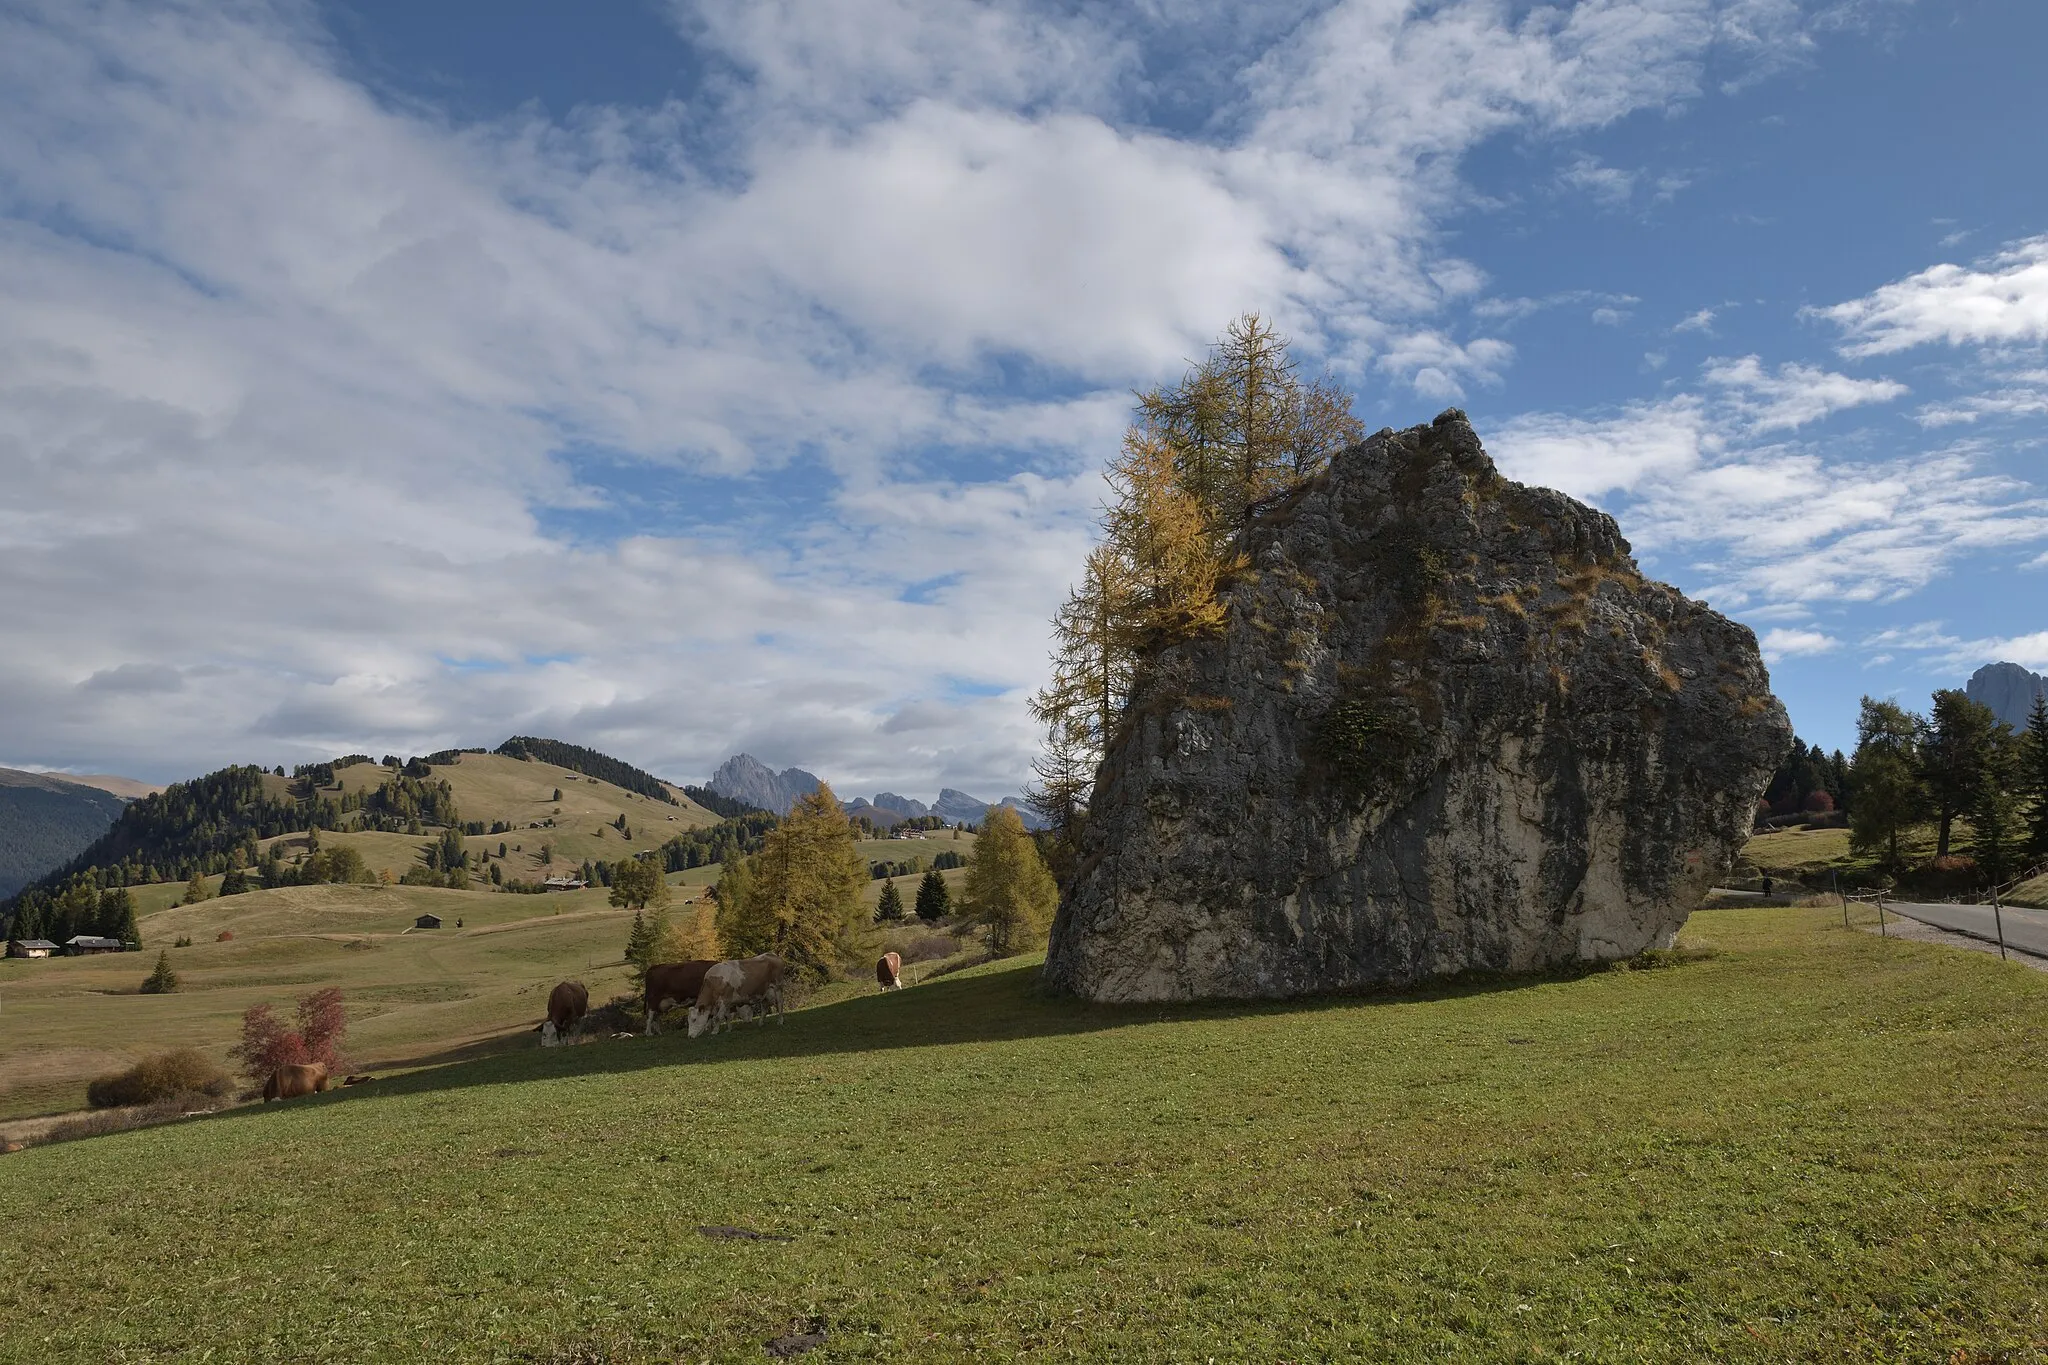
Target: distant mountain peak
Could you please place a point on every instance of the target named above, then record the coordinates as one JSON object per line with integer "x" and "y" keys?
{"x": 746, "y": 778}
{"x": 2008, "y": 689}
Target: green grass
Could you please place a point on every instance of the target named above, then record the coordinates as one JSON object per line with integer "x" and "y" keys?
{"x": 1806, "y": 1144}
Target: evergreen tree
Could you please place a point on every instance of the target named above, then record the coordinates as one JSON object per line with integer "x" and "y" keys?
{"x": 1998, "y": 829}
{"x": 234, "y": 883}
{"x": 637, "y": 944}
{"x": 116, "y": 918}
{"x": 1955, "y": 757}
{"x": 2032, "y": 781}
{"x": 196, "y": 890}
{"x": 934, "y": 901}
{"x": 1008, "y": 887}
{"x": 163, "y": 980}
{"x": 1885, "y": 784}
{"x": 889, "y": 907}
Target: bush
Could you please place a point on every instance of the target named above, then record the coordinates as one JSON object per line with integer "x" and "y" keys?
{"x": 224, "y": 936}
{"x": 930, "y": 948}
{"x": 186, "y": 1071}
{"x": 1818, "y": 803}
{"x": 268, "y": 1044}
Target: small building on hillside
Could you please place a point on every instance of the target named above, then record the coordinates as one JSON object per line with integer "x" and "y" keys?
{"x": 427, "y": 922}
{"x": 565, "y": 883}
{"x": 80, "y": 944}
{"x": 31, "y": 947}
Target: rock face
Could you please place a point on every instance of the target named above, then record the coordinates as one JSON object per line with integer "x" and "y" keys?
{"x": 1447, "y": 726}
{"x": 746, "y": 778}
{"x": 2008, "y": 689}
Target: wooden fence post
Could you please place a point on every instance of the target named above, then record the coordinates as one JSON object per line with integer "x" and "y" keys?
{"x": 1998, "y": 919}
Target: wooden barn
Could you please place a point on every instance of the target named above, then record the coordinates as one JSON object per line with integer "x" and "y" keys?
{"x": 427, "y": 922}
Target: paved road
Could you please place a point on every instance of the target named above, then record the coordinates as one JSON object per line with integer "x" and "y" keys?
{"x": 2026, "y": 930}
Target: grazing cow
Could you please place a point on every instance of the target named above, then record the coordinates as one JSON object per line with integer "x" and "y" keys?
{"x": 290, "y": 1082}
{"x": 673, "y": 983}
{"x": 753, "y": 981}
{"x": 567, "y": 1004}
{"x": 889, "y": 972}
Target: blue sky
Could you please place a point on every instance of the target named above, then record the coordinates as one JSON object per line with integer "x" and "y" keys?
{"x": 696, "y": 377}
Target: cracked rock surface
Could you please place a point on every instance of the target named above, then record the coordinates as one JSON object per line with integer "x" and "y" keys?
{"x": 1448, "y": 726}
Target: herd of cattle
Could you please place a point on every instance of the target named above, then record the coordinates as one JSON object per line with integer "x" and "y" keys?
{"x": 716, "y": 992}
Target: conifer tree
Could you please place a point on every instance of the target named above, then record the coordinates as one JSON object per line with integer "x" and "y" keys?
{"x": 742, "y": 923}
{"x": 2032, "y": 781}
{"x": 1009, "y": 889}
{"x": 196, "y": 890}
{"x": 1884, "y": 779}
{"x": 934, "y": 901}
{"x": 163, "y": 980}
{"x": 1956, "y": 755}
{"x": 638, "y": 946}
{"x": 800, "y": 894}
{"x": 1201, "y": 460}
{"x": 889, "y": 906}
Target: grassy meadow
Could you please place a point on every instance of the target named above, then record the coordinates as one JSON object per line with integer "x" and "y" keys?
{"x": 1789, "y": 1142}
{"x": 413, "y": 996}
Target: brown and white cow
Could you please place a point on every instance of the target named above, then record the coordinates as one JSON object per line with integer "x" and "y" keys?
{"x": 670, "y": 984}
{"x": 567, "y": 1004}
{"x": 290, "y": 1082}
{"x": 889, "y": 972}
{"x": 751, "y": 982}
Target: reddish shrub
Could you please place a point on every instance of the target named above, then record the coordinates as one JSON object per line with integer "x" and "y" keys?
{"x": 1818, "y": 803}
{"x": 224, "y": 936}
{"x": 267, "y": 1044}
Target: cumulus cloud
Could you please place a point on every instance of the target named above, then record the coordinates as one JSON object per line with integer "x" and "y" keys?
{"x": 2001, "y": 300}
{"x": 332, "y": 421}
{"x": 1796, "y": 394}
{"x": 1784, "y": 643}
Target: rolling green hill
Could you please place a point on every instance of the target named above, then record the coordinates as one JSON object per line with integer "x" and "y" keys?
{"x": 1791, "y": 1143}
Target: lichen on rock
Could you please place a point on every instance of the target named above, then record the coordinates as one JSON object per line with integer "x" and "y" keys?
{"x": 1447, "y": 726}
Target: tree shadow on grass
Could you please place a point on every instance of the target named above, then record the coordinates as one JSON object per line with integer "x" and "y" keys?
{"x": 992, "y": 1004}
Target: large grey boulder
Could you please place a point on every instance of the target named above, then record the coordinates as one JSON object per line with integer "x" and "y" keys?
{"x": 1448, "y": 726}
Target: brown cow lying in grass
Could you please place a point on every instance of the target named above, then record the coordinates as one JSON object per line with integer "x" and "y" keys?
{"x": 730, "y": 985}
{"x": 290, "y": 1082}
{"x": 889, "y": 972}
{"x": 673, "y": 983}
{"x": 567, "y": 1005}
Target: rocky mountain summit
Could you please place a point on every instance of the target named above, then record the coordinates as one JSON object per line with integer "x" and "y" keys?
{"x": 2008, "y": 689}
{"x": 746, "y": 778}
{"x": 1448, "y": 725}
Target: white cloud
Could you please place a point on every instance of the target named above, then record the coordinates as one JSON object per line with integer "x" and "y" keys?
{"x": 1606, "y": 185}
{"x": 330, "y": 422}
{"x": 1796, "y": 394}
{"x": 1997, "y": 403}
{"x": 1784, "y": 643}
{"x": 2004, "y": 300}
{"x": 1702, "y": 321}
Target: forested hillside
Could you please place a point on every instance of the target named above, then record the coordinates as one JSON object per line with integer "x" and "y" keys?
{"x": 589, "y": 762}
{"x": 45, "y": 822}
